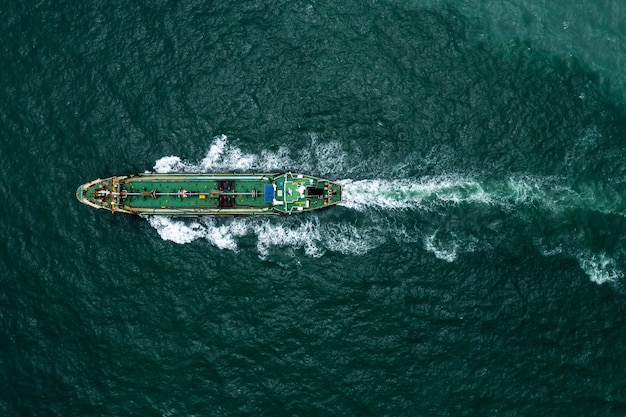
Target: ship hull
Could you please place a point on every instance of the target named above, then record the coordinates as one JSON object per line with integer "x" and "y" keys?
{"x": 200, "y": 194}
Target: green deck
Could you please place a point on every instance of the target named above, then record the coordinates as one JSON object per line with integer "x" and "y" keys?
{"x": 210, "y": 194}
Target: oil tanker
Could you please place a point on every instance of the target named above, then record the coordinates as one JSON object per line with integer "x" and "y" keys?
{"x": 198, "y": 194}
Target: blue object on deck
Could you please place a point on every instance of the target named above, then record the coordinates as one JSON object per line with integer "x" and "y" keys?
{"x": 269, "y": 193}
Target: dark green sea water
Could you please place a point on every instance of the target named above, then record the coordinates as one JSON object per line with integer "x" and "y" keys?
{"x": 476, "y": 267}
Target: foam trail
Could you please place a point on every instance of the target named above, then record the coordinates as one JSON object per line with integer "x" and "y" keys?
{"x": 308, "y": 234}
{"x": 381, "y": 207}
{"x": 424, "y": 193}
{"x": 222, "y": 156}
{"x": 168, "y": 230}
{"x": 181, "y": 232}
{"x": 436, "y": 193}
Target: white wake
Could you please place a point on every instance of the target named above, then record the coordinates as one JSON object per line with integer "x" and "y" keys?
{"x": 379, "y": 207}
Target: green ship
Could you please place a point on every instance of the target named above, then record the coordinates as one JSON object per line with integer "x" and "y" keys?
{"x": 201, "y": 194}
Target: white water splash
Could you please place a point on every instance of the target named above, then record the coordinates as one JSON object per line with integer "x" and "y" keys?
{"x": 548, "y": 250}
{"x": 222, "y": 156}
{"x": 600, "y": 268}
{"x": 447, "y": 252}
{"x": 424, "y": 193}
{"x": 307, "y": 234}
{"x": 448, "y": 246}
{"x": 315, "y": 239}
{"x": 435, "y": 193}
{"x": 375, "y": 199}
{"x": 181, "y": 232}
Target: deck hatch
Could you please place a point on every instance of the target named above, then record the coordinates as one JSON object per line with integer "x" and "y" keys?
{"x": 268, "y": 193}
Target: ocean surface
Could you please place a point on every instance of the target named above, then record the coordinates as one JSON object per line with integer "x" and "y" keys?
{"x": 475, "y": 268}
